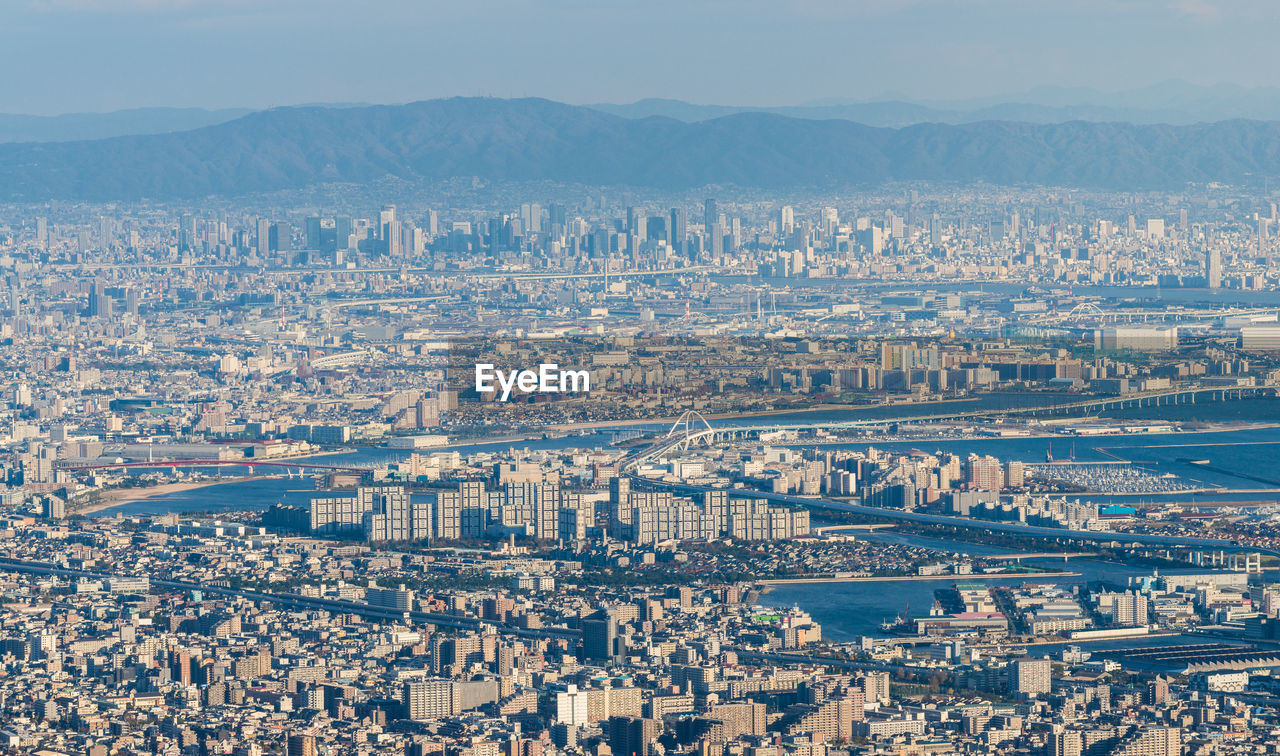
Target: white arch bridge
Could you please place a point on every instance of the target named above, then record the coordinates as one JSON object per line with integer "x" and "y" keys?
{"x": 692, "y": 429}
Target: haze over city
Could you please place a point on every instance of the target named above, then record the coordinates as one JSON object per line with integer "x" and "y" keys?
{"x": 102, "y": 55}
{"x": 573, "y": 378}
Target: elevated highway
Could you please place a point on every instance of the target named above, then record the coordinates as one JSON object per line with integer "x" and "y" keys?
{"x": 1090, "y": 315}
{"x": 1106, "y": 538}
{"x": 1193, "y": 395}
{"x": 692, "y": 429}
{"x": 277, "y": 464}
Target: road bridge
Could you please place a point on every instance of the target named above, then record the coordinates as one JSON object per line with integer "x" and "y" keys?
{"x": 692, "y": 430}
{"x": 249, "y": 463}
{"x": 417, "y": 270}
{"x": 869, "y": 527}
{"x": 1087, "y": 314}
{"x": 1119, "y": 540}
{"x": 1063, "y": 555}
{"x": 1193, "y": 395}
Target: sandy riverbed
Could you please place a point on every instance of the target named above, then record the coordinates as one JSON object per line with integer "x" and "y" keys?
{"x": 117, "y": 496}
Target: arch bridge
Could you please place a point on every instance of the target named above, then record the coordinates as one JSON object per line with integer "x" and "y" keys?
{"x": 691, "y": 428}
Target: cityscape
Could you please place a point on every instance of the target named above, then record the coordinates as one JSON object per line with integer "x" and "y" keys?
{"x": 302, "y": 456}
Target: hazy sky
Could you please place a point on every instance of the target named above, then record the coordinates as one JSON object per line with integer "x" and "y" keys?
{"x": 92, "y": 55}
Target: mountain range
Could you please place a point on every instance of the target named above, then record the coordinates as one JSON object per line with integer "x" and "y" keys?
{"x": 72, "y": 127}
{"x": 1172, "y": 102}
{"x": 534, "y": 139}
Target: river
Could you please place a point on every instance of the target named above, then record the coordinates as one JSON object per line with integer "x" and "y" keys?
{"x": 1149, "y": 294}
{"x": 1234, "y": 453}
{"x": 849, "y": 610}
{"x": 261, "y": 493}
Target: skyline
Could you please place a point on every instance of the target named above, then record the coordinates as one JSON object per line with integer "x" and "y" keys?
{"x": 233, "y": 54}
{"x": 1047, "y": 96}
{"x": 622, "y": 378}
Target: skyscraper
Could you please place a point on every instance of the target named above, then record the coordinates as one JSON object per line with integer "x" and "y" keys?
{"x": 186, "y": 231}
{"x": 830, "y": 221}
{"x": 619, "y": 505}
{"x": 679, "y": 229}
{"x": 342, "y": 232}
{"x": 710, "y": 214}
{"x": 531, "y": 217}
{"x": 313, "y": 233}
{"x": 264, "y": 235}
{"x": 99, "y": 304}
{"x": 600, "y": 641}
{"x": 656, "y": 229}
{"x": 280, "y": 237}
{"x": 546, "y": 512}
{"x": 389, "y": 230}
{"x": 575, "y": 516}
{"x": 635, "y": 220}
{"x": 1213, "y": 268}
{"x": 715, "y": 234}
{"x": 462, "y": 513}
{"x": 448, "y": 515}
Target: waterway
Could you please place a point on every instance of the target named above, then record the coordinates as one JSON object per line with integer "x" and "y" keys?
{"x": 1232, "y": 453}
{"x": 847, "y": 611}
{"x": 261, "y": 493}
{"x": 1154, "y": 295}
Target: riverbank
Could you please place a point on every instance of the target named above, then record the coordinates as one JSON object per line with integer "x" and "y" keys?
{"x": 750, "y": 414}
{"x": 460, "y": 443}
{"x": 115, "y": 497}
{"x": 769, "y": 585}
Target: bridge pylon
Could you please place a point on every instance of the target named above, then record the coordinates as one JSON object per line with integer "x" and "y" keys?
{"x": 690, "y": 423}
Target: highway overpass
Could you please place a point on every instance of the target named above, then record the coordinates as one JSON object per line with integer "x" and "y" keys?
{"x": 692, "y": 429}
{"x": 1031, "y": 531}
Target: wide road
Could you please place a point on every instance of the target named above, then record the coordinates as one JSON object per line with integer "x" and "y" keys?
{"x": 1034, "y": 531}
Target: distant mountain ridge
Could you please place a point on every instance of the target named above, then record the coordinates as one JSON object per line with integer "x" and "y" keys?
{"x": 80, "y": 126}
{"x": 897, "y": 113}
{"x": 1173, "y": 102}
{"x": 533, "y": 139}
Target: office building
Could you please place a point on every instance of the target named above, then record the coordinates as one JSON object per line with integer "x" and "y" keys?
{"x": 600, "y": 641}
